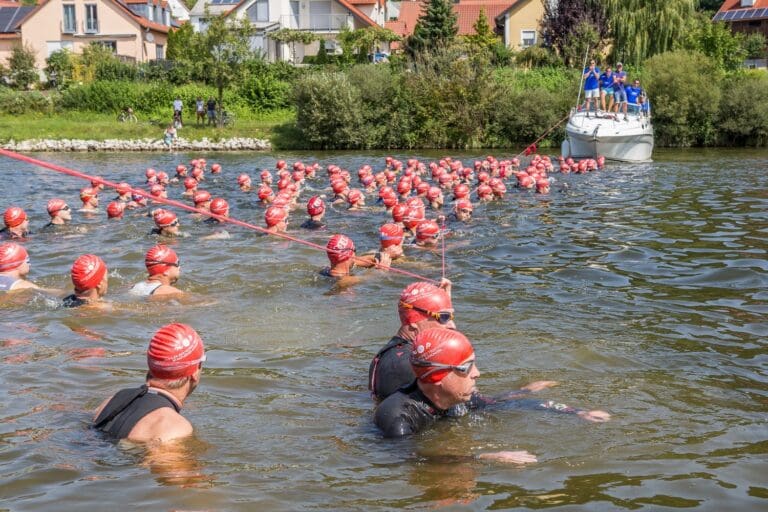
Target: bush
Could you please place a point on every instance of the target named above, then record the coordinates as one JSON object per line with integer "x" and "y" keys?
{"x": 537, "y": 56}
{"x": 22, "y": 67}
{"x": 266, "y": 93}
{"x": 684, "y": 89}
{"x": 24, "y": 102}
{"x": 743, "y": 118}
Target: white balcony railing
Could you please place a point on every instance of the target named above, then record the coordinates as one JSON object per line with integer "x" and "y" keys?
{"x": 318, "y": 22}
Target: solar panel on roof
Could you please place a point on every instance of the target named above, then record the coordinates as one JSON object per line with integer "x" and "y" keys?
{"x": 740, "y": 15}
{"x": 718, "y": 16}
{"x": 763, "y": 13}
{"x": 729, "y": 15}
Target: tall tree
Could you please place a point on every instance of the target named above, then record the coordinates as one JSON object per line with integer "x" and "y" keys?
{"x": 484, "y": 37}
{"x": 436, "y": 27}
{"x": 572, "y": 26}
{"x": 642, "y": 28}
{"x": 224, "y": 49}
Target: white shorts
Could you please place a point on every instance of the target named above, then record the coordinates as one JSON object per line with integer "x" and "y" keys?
{"x": 592, "y": 93}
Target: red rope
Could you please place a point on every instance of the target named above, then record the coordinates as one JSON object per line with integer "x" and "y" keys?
{"x": 177, "y": 204}
{"x": 544, "y": 135}
{"x": 442, "y": 237}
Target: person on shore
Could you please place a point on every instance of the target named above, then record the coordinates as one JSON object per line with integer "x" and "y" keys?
{"x": 166, "y": 222}
{"x": 90, "y": 198}
{"x": 200, "y": 111}
{"x": 115, "y": 210}
{"x": 169, "y": 136}
{"x": 619, "y": 94}
{"x": 606, "y": 88}
{"x": 89, "y": 277}
{"x": 16, "y": 224}
{"x": 341, "y": 255}
{"x": 276, "y": 219}
{"x": 164, "y": 268}
{"x": 150, "y": 413}
{"x": 421, "y": 306}
{"x": 59, "y": 212}
{"x": 14, "y": 268}
{"x": 178, "y": 106}
{"x": 591, "y": 85}
{"x": 316, "y": 212}
{"x": 443, "y": 361}
{"x": 211, "y": 106}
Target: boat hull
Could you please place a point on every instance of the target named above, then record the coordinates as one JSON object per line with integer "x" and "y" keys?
{"x": 625, "y": 141}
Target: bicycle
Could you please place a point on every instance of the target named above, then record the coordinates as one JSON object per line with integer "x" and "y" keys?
{"x": 127, "y": 116}
{"x": 227, "y": 118}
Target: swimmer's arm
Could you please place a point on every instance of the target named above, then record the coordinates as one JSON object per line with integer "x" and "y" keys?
{"x": 101, "y": 407}
{"x": 23, "y": 284}
{"x": 595, "y": 416}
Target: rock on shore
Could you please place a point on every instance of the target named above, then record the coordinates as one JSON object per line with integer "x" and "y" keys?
{"x": 234, "y": 144}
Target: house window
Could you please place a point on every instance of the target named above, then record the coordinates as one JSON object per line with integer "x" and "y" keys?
{"x": 320, "y": 15}
{"x": 294, "y": 14}
{"x": 70, "y": 21}
{"x": 527, "y": 38}
{"x": 112, "y": 45}
{"x": 159, "y": 52}
{"x": 259, "y": 11}
{"x": 91, "y": 19}
{"x": 55, "y": 46}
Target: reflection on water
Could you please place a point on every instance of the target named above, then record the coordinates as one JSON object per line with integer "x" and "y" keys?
{"x": 641, "y": 289}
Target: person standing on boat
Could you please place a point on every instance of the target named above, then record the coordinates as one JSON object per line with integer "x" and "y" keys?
{"x": 606, "y": 88}
{"x": 619, "y": 94}
{"x": 635, "y": 96}
{"x": 591, "y": 85}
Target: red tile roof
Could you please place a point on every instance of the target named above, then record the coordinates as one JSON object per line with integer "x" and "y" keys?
{"x": 736, "y": 4}
{"x": 467, "y": 12}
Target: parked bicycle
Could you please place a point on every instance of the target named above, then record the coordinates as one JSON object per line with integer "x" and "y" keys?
{"x": 127, "y": 116}
{"x": 227, "y": 118}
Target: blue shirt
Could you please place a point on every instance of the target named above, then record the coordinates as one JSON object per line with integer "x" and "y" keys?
{"x": 606, "y": 80}
{"x": 591, "y": 81}
{"x": 618, "y": 83}
{"x": 632, "y": 94}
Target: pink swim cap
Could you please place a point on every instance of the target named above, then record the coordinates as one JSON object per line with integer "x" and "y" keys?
{"x": 390, "y": 235}
{"x": 220, "y": 206}
{"x": 190, "y": 183}
{"x": 427, "y": 229}
{"x": 123, "y": 188}
{"x": 339, "y": 249}
{"x": 164, "y": 218}
{"x": 201, "y": 196}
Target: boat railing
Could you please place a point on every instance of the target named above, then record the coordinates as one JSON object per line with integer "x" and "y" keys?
{"x": 633, "y": 109}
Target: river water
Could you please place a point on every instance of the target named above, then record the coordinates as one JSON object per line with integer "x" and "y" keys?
{"x": 641, "y": 289}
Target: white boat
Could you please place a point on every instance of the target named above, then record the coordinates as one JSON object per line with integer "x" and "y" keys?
{"x": 609, "y": 135}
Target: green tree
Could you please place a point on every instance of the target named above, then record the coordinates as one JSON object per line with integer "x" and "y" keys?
{"x": 22, "y": 66}
{"x": 363, "y": 41}
{"x": 293, "y": 36}
{"x": 484, "y": 38}
{"x": 59, "y": 65}
{"x": 643, "y": 28}
{"x": 754, "y": 46}
{"x": 436, "y": 28}
{"x": 573, "y": 26}
{"x": 181, "y": 43}
{"x": 742, "y": 120}
{"x": 715, "y": 40}
{"x": 223, "y": 50}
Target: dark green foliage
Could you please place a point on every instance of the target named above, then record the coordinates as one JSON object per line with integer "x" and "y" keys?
{"x": 715, "y": 40}
{"x": 572, "y": 26}
{"x": 21, "y": 65}
{"x": 435, "y": 29}
{"x": 24, "y": 102}
{"x": 684, "y": 88}
{"x": 113, "y": 69}
{"x": 322, "y": 54}
{"x": 537, "y": 56}
{"x": 265, "y": 92}
{"x": 60, "y": 65}
{"x": 755, "y": 46}
{"x": 743, "y": 116}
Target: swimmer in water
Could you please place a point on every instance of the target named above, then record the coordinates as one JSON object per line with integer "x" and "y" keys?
{"x": 355, "y": 199}
{"x": 341, "y": 255}
{"x": 190, "y": 187}
{"x": 115, "y": 210}
{"x": 427, "y": 234}
{"x": 89, "y": 277}
{"x": 164, "y": 268}
{"x": 123, "y": 192}
{"x": 219, "y": 207}
{"x": 276, "y": 219}
{"x": 90, "y": 198}
{"x": 462, "y": 211}
{"x": 244, "y": 182}
{"x": 14, "y": 268}
{"x": 16, "y": 224}
{"x": 316, "y": 212}
{"x": 266, "y": 195}
{"x": 202, "y": 200}
{"x": 443, "y": 361}
{"x": 59, "y": 212}
{"x": 166, "y": 222}
{"x": 181, "y": 173}
{"x": 137, "y": 201}
{"x": 150, "y": 413}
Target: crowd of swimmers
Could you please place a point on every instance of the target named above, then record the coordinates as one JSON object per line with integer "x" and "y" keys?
{"x": 427, "y": 371}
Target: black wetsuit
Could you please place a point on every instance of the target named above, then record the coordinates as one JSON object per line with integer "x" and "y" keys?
{"x": 127, "y": 408}
{"x": 313, "y": 224}
{"x": 73, "y": 301}
{"x": 391, "y": 368}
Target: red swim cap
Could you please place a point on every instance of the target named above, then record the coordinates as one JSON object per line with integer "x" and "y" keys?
{"x": 315, "y": 206}
{"x": 162, "y": 177}
{"x": 87, "y": 272}
{"x": 123, "y": 188}
{"x": 88, "y": 193}
{"x": 115, "y": 210}
{"x": 244, "y": 179}
{"x": 438, "y": 346}
{"x": 422, "y": 188}
{"x": 427, "y": 229}
{"x": 460, "y": 191}
{"x": 55, "y": 206}
{"x": 215, "y": 169}
{"x": 413, "y": 217}
{"x": 265, "y": 192}
{"x": 164, "y": 218}
{"x": 274, "y": 215}
{"x": 389, "y": 201}
{"x": 220, "y": 206}
{"x": 14, "y": 216}
{"x": 386, "y": 191}
{"x": 433, "y": 193}
{"x": 354, "y": 197}
{"x": 484, "y": 191}
{"x": 12, "y": 256}
{"x": 174, "y": 352}
{"x": 181, "y": 170}
{"x": 190, "y": 183}
{"x": 198, "y": 173}
{"x": 280, "y": 164}
{"x": 399, "y": 211}
{"x": 339, "y": 186}
{"x": 283, "y": 183}
{"x": 340, "y": 248}
{"x": 404, "y": 187}
{"x": 157, "y": 190}
{"x": 463, "y": 204}
{"x": 390, "y": 235}
{"x": 265, "y": 175}
{"x": 201, "y": 196}
{"x": 424, "y": 296}
{"x": 159, "y": 259}
{"x": 150, "y": 173}
{"x": 297, "y": 175}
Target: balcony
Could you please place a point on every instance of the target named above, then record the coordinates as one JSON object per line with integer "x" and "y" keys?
{"x": 317, "y": 22}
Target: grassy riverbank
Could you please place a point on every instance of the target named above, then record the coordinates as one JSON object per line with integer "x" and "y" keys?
{"x": 94, "y": 126}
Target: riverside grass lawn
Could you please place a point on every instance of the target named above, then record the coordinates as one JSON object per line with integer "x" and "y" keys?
{"x": 93, "y": 126}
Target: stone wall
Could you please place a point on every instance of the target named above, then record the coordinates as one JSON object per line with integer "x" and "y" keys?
{"x": 234, "y": 144}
